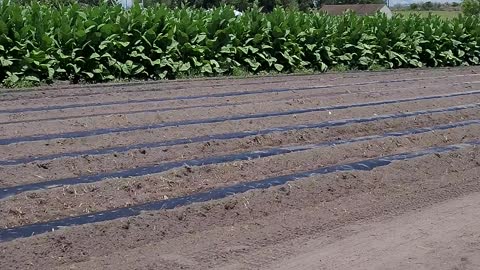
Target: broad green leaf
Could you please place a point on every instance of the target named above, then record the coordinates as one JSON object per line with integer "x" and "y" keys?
{"x": 89, "y": 74}
{"x": 32, "y": 79}
{"x": 51, "y": 73}
{"x": 311, "y": 47}
{"x": 278, "y": 67}
{"x": 5, "y": 62}
{"x": 94, "y": 56}
{"x": 254, "y": 65}
{"x": 184, "y": 67}
{"x": 207, "y": 68}
{"x": 364, "y": 61}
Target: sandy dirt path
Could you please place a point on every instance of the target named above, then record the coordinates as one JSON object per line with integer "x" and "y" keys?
{"x": 444, "y": 236}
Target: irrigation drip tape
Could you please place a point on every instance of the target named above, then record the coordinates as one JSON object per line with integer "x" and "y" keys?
{"x": 352, "y": 75}
{"x": 129, "y": 84}
{"x": 168, "y": 109}
{"x": 149, "y": 170}
{"x": 127, "y": 112}
{"x": 216, "y": 95}
{"x": 235, "y": 135}
{"x": 103, "y": 131}
{"x": 215, "y": 194}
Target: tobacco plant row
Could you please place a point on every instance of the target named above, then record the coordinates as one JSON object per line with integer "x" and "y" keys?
{"x": 42, "y": 43}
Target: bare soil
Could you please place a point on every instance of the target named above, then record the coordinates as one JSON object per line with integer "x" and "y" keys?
{"x": 413, "y": 214}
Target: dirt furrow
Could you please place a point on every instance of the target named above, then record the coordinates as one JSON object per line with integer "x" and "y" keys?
{"x": 120, "y": 100}
{"x": 120, "y": 113}
{"x": 36, "y": 145}
{"x": 194, "y": 86}
{"x": 111, "y": 116}
{"x": 112, "y": 161}
{"x": 71, "y": 200}
{"x": 312, "y": 206}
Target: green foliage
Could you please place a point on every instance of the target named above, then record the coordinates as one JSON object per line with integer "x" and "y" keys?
{"x": 266, "y": 5}
{"x": 349, "y": 2}
{"x": 41, "y": 43}
{"x": 471, "y": 7}
{"x": 428, "y": 5}
{"x": 444, "y": 14}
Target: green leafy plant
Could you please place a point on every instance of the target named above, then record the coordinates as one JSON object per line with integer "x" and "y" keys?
{"x": 41, "y": 42}
{"x": 471, "y": 7}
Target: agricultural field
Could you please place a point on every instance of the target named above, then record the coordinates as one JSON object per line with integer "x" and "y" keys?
{"x": 446, "y": 14}
{"x": 42, "y": 43}
{"x": 360, "y": 170}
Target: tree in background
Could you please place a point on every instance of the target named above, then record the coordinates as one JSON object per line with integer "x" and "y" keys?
{"x": 471, "y": 7}
{"x": 427, "y": 5}
{"x": 350, "y": 2}
{"x": 266, "y": 5}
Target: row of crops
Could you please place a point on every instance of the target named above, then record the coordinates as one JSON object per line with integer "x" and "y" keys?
{"x": 101, "y": 43}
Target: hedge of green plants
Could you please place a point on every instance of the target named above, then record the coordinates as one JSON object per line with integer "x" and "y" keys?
{"x": 42, "y": 43}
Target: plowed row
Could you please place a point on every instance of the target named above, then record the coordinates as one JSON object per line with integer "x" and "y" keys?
{"x": 225, "y": 173}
